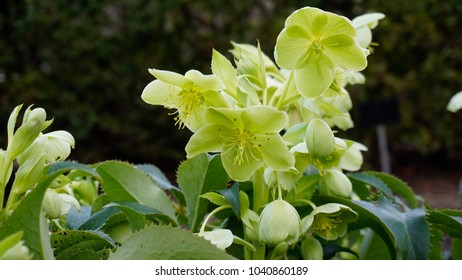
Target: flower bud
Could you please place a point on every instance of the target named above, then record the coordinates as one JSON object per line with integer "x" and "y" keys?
{"x": 335, "y": 182}
{"x": 12, "y": 248}
{"x": 33, "y": 123}
{"x": 57, "y": 204}
{"x": 311, "y": 249}
{"x": 320, "y": 139}
{"x": 2, "y": 158}
{"x": 279, "y": 222}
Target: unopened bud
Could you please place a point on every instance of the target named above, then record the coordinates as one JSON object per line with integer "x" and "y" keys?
{"x": 320, "y": 139}
{"x": 335, "y": 182}
{"x": 311, "y": 249}
{"x": 279, "y": 222}
{"x": 12, "y": 248}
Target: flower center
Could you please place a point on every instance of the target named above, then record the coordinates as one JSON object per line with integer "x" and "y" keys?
{"x": 243, "y": 142}
{"x": 318, "y": 48}
{"x": 190, "y": 99}
{"x": 326, "y": 224}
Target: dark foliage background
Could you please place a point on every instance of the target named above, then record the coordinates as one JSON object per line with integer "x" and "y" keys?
{"x": 86, "y": 63}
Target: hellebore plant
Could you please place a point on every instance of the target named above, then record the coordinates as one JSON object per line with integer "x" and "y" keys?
{"x": 266, "y": 175}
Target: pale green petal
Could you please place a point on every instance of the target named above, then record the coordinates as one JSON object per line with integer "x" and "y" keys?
{"x": 363, "y": 36}
{"x": 344, "y": 52}
{"x": 291, "y": 52}
{"x": 303, "y": 17}
{"x": 204, "y": 82}
{"x": 264, "y": 119}
{"x": 222, "y": 238}
{"x": 206, "y": 139}
{"x": 455, "y": 103}
{"x": 338, "y": 25}
{"x": 224, "y": 70}
{"x": 319, "y": 24}
{"x": 215, "y": 99}
{"x": 169, "y": 77}
{"x": 275, "y": 152}
{"x": 315, "y": 77}
{"x": 369, "y": 20}
{"x": 226, "y": 117}
{"x": 160, "y": 93}
{"x": 243, "y": 171}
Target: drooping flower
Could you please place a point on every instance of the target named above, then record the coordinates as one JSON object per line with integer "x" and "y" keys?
{"x": 314, "y": 43}
{"x": 335, "y": 182}
{"x": 247, "y": 139}
{"x": 190, "y": 95}
{"x": 279, "y": 222}
{"x": 363, "y": 25}
{"x": 329, "y": 221}
{"x": 222, "y": 238}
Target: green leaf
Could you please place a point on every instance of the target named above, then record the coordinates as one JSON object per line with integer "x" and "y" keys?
{"x": 197, "y": 176}
{"x": 81, "y": 245}
{"x": 215, "y": 198}
{"x": 448, "y": 221}
{"x": 167, "y": 243}
{"x": 405, "y": 232}
{"x": 232, "y": 196}
{"x": 398, "y": 187}
{"x": 123, "y": 182}
{"x": 29, "y": 218}
{"x": 135, "y": 213}
{"x": 456, "y": 249}
{"x": 372, "y": 181}
{"x": 76, "y": 218}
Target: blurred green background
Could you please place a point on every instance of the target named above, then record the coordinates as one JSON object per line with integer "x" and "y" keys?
{"x": 86, "y": 63}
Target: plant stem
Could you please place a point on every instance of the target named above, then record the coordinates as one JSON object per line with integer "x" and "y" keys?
{"x": 259, "y": 254}
{"x": 260, "y": 191}
{"x": 216, "y": 210}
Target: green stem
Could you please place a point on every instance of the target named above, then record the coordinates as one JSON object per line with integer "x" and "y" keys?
{"x": 260, "y": 191}
{"x": 5, "y": 174}
{"x": 259, "y": 254}
{"x": 216, "y": 210}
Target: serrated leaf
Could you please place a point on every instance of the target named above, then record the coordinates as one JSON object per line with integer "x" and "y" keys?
{"x": 156, "y": 175}
{"x": 78, "y": 244}
{"x": 372, "y": 181}
{"x": 232, "y": 196}
{"x": 406, "y": 232}
{"x": 123, "y": 182}
{"x": 197, "y": 176}
{"x": 29, "y": 218}
{"x": 398, "y": 187}
{"x": 167, "y": 243}
{"x": 448, "y": 221}
{"x": 135, "y": 213}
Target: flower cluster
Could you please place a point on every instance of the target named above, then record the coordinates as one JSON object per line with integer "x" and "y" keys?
{"x": 273, "y": 122}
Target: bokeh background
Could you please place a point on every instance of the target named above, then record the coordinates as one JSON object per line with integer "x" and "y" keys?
{"x": 86, "y": 63}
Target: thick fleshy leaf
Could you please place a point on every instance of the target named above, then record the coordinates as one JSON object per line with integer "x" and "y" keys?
{"x": 344, "y": 52}
{"x": 264, "y": 119}
{"x": 282, "y": 160}
{"x": 160, "y": 93}
{"x": 291, "y": 52}
{"x": 169, "y": 77}
{"x": 203, "y": 82}
{"x": 207, "y": 139}
{"x": 315, "y": 77}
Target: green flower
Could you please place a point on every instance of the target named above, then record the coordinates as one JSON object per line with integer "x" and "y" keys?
{"x": 314, "y": 43}
{"x": 247, "y": 139}
{"x": 329, "y": 221}
{"x": 190, "y": 95}
{"x": 279, "y": 222}
{"x": 363, "y": 25}
{"x": 335, "y": 182}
